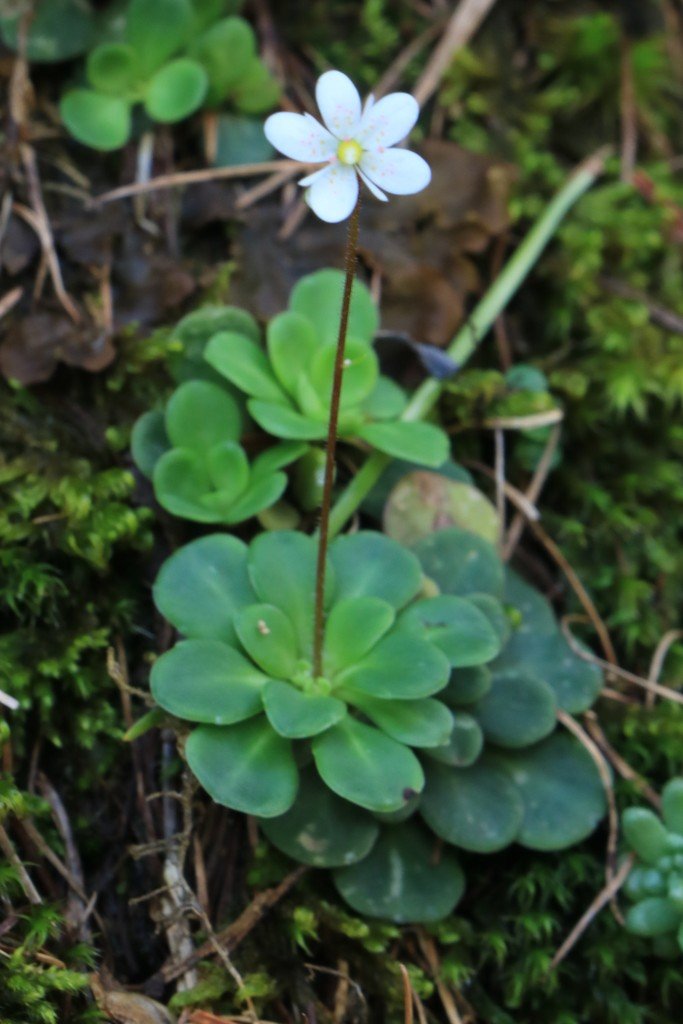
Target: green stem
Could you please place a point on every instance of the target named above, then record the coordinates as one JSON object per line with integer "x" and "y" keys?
{"x": 479, "y": 323}
{"x": 330, "y": 448}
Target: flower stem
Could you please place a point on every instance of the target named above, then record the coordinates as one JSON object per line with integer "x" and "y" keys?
{"x": 350, "y": 259}
{"x": 481, "y": 320}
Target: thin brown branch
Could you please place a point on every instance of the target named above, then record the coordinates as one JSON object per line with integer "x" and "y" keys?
{"x": 658, "y": 659}
{"x": 615, "y": 670}
{"x": 8, "y": 302}
{"x": 533, "y": 492}
{"x": 618, "y": 763}
{"x": 601, "y": 900}
{"x": 30, "y": 891}
{"x": 580, "y": 591}
{"x": 464, "y": 22}
{"x": 181, "y": 178}
{"x": 230, "y": 937}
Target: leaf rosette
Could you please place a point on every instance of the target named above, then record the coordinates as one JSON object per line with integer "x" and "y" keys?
{"x": 244, "y": 672}
{"x": 199, "y": 469}
{"x": 655, "y": 883}
{"x": 289, "y": 384}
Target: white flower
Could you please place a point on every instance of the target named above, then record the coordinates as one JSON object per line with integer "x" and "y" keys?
{"x": 353, "y": 143}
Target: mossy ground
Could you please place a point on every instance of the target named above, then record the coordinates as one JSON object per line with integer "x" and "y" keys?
{"x": 602, "y": 317}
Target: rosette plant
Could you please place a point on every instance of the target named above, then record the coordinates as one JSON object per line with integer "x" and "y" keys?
{"x": 289, "y": 385}
{"x": 372, "y": 705}
{"x": 173, "y": 57}
{"x": 246, "y": 676}
{"x": 199, "y": 469}
{"x": 655, "y": 883}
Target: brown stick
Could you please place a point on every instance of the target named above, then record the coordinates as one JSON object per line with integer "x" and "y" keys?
{"x": 331, "y": 446}
{"x": 603, "y": 897}
{"x": 464, "y": 22}
{"x": 195, "y": 177}
{"x": 238, "y": 930}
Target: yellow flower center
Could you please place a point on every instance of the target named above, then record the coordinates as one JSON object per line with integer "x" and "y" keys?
{"x": 349, "y": 152}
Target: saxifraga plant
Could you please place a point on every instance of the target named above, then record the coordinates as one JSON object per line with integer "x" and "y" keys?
{"x": 173, "y": 57}
{"x": 359, "y": 698}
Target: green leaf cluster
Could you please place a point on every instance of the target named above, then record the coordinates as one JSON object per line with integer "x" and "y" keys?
{"x": 429, "y": 706}
{"x": 199, "y": 469}
{"x": 289, "y": 385}
{"x": 655, "y": 884}
{"x": 173, "y": 57}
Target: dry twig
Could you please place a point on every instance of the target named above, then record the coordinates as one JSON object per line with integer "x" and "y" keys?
{"x": 464, "y": 22}
{"x": 603, "y": 897}
{"x": 181, "y": 178}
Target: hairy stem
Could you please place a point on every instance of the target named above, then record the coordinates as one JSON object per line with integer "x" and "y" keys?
{"x": 484, "y": 315}
{"x": 331, "y": 446}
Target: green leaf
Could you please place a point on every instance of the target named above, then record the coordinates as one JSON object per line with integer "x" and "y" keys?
{"x": 477, "y": 808}
{"x": 561, "y": 790}
{"x": 257, "y": 90}
{"x": 283, "y": 421}
{"x": 362, "y": 765}
{"x": 548, "y": 656}
{"x": 180, "y": 480}
{"x": 267, "y": 636}
{"x": 461, "y": 563}
{"x": 455, "y": 626}
{"x": 464, "y": 745}
{"x": 359, "y": 376}
{"x": 400, "y": 667}
{"x": 537, "y": 614}
{"x": 318, "y": 297}
{"x": 422, "y": 442}
{"x": 653, "y": 916}
{"x": 57, "y": 31}
{"x": 99, "y": 121}
{"x": 202, "y": 586}
{"x": 240, "y": 140}
{"x": 247, "y": 766}
{"x": 369, "y": 564}
{"x": 320, "y": 829}
{"x": 193, "y": 333}
{"x": 291, "y": 343}
{"x": 276, "y": 457}
{"x": 495, "y": 613}
{"x": 517, "y": 711}
{"x": 422, "y": 502}
{"x": 417, "y": 723}
{"x": 228, "y": 468}
{"x": 200, "y": 414}
{"x": 149, "y": 441}
{"x": 644, "y": 834}
{"x": 207, "y": 681}
{"x": 112, "y": 68}
{"x": 259, "y": 495}
{"x": 296, "y": 714}
{"x": 401, "y": 881}
{"x": 282, "y": 571}
{"x": 467, "y": 685}
{"x": 353, "y": 627}
{"x": 176, "y": 91}
{"x": 244, "y": 363}
{"x": 386, "y": 402}
{"x": 225, "y": 51}
{"x": 672, "y": 805}
{"x": 156, "y": 29}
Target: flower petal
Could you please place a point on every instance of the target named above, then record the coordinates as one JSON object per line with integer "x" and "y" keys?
{"x": 310, "y": 178}
{"x": 300, "y": 137}
{"x": 388, "y": 121}
{"x": 397, "y": 170}
{"x": 377, "y": 192}
{"x": 339, "y": 104}
{"x": 332, "y": 196}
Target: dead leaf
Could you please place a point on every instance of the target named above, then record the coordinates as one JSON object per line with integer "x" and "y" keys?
{"x": 423, "y": 502}
{"x": 127, "y": 1007}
